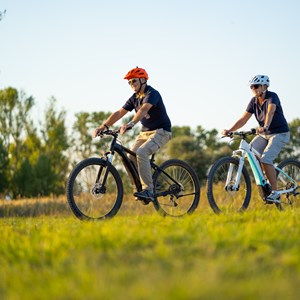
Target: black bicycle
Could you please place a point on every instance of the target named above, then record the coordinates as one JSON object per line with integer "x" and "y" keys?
{"x": 95, "y": 188}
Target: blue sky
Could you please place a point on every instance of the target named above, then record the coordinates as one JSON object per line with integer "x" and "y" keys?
{"x": 199, "y": 54}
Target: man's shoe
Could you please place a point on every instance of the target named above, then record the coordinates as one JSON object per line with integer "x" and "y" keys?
{"x": 274, "y": 197}
{"x": 145, "y": 196}
{"x": 143, "y": 201}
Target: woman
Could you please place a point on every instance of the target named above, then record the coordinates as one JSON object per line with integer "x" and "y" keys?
{"x": 273, "y": 132}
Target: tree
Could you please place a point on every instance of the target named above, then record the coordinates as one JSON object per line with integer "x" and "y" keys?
{"x": 181, "y": 131}
{"x": 4, "y": 168}
{"x": 45, "y": 177}
{"x": 292, "y": 149}
{"x": 15, "y": 121}
{"x": 8, "y": 102}
{"x": 84, "y": 124}
{"x": 186, "y": 148}
{"x": 55, "y": 144}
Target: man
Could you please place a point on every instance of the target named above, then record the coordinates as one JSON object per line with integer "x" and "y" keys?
{"x": 273, "y": 132}
{"x": 156, "y": 126}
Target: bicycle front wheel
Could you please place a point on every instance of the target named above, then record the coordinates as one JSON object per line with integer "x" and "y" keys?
{"x": 291, "y": 167}
{"x": 87, "y": 197}
{"x": 227, "y": 198}
{"x": 176, "y": 188}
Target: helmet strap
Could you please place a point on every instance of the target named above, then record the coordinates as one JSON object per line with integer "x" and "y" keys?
{"x": 141, "y": 84}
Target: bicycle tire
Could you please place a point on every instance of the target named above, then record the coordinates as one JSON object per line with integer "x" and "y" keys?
{"x": 172, "y": 199}
{"x": 291, "y": 167}
{"x": 85, "y": 203}
{"x": 226, "y": 200}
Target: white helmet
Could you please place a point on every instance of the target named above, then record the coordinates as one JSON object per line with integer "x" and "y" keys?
{"x": 260, "y": 79}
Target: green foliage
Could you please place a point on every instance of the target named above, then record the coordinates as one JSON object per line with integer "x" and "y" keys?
{"x": 37, "y": 164}
{"x": 181, "y": 131}
{"x": 45, "y": 178}
{"x": 55, "y": 144}
{"x": 4, "y": 165}
{"x": 84, "y": 125}
{"x": 186, "y": 148}
{"x": 37, "y": 160}
{"x": 292, "y": 149}
{"x": 200, "y": 148}
{"x": 254, "y": 255}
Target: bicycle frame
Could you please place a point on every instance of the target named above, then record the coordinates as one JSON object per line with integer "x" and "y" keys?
{"x": 246, "y": 150}
{"x": 129, "y": 165}
{"x": 291, "y": 190}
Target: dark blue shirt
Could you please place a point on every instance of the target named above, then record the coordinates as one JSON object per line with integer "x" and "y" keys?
{"x": 157, "y": 115}
{"x": 279, "y": 123}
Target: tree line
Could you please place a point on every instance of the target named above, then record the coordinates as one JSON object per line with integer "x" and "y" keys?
{"x": 36, "y": 156}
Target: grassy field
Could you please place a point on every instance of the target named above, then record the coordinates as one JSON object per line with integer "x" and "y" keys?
{"x": 45, "y": 253}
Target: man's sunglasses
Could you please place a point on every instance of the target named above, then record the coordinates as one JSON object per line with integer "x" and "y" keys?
{"x": 132, "y": 81}
{"x": 255, "y": 86}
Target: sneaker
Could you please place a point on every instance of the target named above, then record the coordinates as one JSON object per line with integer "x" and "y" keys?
{"x": 274, "y": 197}
{"x": 145, "y": 195}
{"x": 143, "y": 201}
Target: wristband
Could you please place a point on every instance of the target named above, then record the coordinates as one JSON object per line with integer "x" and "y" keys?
{"x": 131, "y": 124}
{"x": 106, "y": 126}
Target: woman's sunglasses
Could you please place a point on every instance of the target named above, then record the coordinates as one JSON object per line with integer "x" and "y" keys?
{"x": 255, "y": 86}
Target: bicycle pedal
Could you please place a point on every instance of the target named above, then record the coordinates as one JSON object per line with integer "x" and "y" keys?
{"x": 143, "y": 201}
{"x": 266, "y": 202}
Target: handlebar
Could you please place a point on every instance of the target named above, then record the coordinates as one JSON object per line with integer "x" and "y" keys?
{"x": 241, "y": 134}
{"x": 113, "y": 133}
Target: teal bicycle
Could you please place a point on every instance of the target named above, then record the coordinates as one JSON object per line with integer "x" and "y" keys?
{"x": 229, "y": 184}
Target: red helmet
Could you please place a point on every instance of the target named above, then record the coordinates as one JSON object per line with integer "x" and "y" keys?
{"x": 136, "y": 73}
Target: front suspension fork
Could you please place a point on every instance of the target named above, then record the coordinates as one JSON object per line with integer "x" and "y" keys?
{"x": 108, "y": 157}
{"x": 229, "y": 184}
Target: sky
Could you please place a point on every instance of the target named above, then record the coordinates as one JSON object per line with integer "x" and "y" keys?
{"x": 199, "y": 54}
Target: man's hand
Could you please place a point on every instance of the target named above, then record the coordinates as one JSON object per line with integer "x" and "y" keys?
{"x": 125, "y": 127}
{"x": 261, "y": 130}
{"x": 98, "y": 130}
{"x": 225, "y": 132}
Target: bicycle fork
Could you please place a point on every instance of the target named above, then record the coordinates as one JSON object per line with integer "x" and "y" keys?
{"x": 100, "y": 188}
{"x": 231, "y": 183}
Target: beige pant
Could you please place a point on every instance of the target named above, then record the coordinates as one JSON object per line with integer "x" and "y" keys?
{"x": 145, "y": 145}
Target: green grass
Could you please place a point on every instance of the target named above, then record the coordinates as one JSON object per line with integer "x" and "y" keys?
{"x": 140, "y": 255}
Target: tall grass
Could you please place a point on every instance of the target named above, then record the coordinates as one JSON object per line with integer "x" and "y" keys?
{"x": 140, "y": 255}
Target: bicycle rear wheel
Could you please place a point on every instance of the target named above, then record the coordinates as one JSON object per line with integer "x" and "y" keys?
{"x": 176, "y": 188}
{"x": 86, "y": 197}
{"x": 223, "y": 198}
{"x": 292, "y": 168}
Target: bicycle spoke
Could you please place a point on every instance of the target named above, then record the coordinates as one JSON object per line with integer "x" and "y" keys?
{"x": 227, "y": 198}
{"x": 291, "y": 168}
{"x": 179, "y": 194}
{"x": 87, "y": 196}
